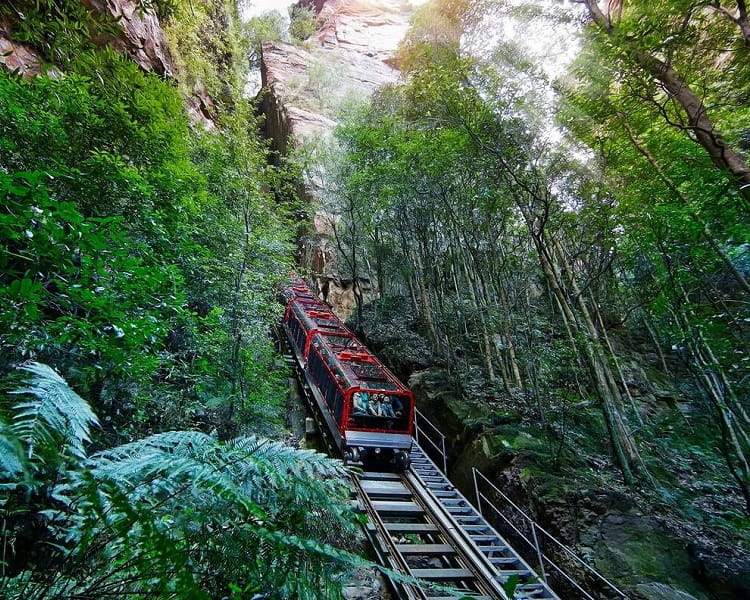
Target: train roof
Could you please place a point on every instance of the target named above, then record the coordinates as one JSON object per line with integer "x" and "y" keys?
{"x": 351, "y": 358}
{"x": 297, "y": 289}
{"x": 359, "y": 367}
{"x": 319, "y": 317}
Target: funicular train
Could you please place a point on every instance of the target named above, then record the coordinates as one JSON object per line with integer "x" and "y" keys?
{"x": 369, "y": 412}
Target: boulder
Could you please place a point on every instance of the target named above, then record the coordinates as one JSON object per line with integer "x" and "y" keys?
{"x": 659, "y": 591}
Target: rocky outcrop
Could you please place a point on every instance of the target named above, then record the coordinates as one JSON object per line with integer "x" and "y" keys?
{"x": 290, "y": 116}
{"x": 306, "y": 87}
{"x": 350, "y": 56}
{"x": 142, "y": 39}
{"x": 18, "y": 57}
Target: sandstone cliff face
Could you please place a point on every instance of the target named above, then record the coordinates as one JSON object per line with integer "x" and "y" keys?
{"x": 143, "y": 39}
{"x": 346, "y": 60}
{"x": 17, "y": 57}
{"x": 350, "y": 56}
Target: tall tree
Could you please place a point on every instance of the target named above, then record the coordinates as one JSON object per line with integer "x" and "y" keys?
{"x": 661, "y": 43}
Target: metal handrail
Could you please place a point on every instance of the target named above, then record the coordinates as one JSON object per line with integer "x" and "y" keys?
{"x": 535, "y": 544}
{"x": 418, "y": 419}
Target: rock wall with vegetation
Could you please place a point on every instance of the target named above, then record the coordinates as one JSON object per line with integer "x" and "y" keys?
{"x": 344, "y": 51}
{"x": 141, "y": 253}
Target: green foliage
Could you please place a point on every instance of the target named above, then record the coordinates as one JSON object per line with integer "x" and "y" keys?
{"x": 122, "y": 265}
{"x": 57, "y": 411}
{"x": 59, "y": 29}
{"x": 72, "y": 288}
{"x": 566, "y": 264}
{"x": 40, "y": 437}
{"x": 270, "y": 26}
{"x": 209, "y": 51}
{"x": 141, "y": 258}
{"x": 684, "y": 223}
{"x": 176, "y": 515}
{"x": 303, "y": 22}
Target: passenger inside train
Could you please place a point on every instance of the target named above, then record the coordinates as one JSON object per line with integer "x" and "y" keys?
{"x": 361, "y": 404}
{"x": 378, "y": 411}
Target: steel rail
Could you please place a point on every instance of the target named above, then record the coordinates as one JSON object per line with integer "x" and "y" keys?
{"x": 460, "y": 560}
{"x": 386, "y": 547}
{"x": 466, "y": 549}
{"x": 479, "y": 568}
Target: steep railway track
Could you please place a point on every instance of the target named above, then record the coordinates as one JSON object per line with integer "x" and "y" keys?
{"x": 422, "y": 527}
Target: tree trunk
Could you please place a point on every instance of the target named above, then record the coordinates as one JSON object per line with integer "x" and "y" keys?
{"x": 722, "y": 156}
{"x": 480, "y": 312}
{"x": 740, "y": 20}
{"x": 705, "y": 229}
{"x": 426, "y": 305}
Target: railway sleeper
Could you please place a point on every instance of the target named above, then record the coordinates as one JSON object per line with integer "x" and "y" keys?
{"x": 476, "y": 528}
{"x": 486, "y": 539}
{"x": 426, "y": 549}
{"x": 469, "y": 520}
{"x": 505, "y": 574}
{"x": 393, "y": 509}
{"x": 466, "y": 595}
{"x": 411, "y": 528}
{"x": 444, "y": 493}
{"x": 460, "y": 510}
{"x": 491, "y": 549}
{"x": 455, "y": 502}
{"x": 385, "y": 488}
{"x": 444, "y": 574}
{"x": 531, "y": 590}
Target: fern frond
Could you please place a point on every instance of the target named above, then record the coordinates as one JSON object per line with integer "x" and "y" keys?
{"x": 171, "y": 460}
{"x": 301, "y": 463}
{"x": 57, "y": 412}
{"x": 13, "y": 464}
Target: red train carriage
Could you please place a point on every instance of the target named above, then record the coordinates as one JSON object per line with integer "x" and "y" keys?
{"x": 369, "y": 412}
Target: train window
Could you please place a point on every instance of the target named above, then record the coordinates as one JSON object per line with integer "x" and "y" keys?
{"x": 338, "y": 408}
{"x": 297, "y": 334}
{"x": 313, "y": 362}
{"x": 317, "y": 369}
{"x": 371, "y": 410}
{"x": 300, "y": 336}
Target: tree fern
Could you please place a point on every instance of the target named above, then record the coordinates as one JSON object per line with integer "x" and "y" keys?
{"x": 57, "y": 415}
{"x": 13, "y": 463}
{"x": 247, "y": 511}
{"x": 175, "y": 515}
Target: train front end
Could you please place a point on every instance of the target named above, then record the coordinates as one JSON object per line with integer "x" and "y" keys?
{"x": 378, "y": 427}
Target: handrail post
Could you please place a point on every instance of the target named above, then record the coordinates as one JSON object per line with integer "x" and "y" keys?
{"x": 420, "y": 423}
{"x": 538, "y": 551}
{"x": 416, "y": 426}
{"x": 476, "y": 490}
{"x": 445, "y": 455}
